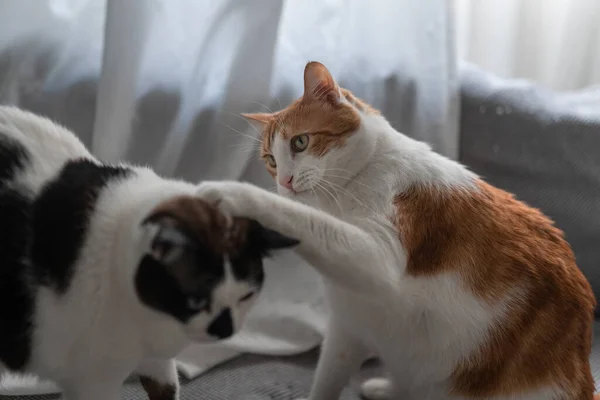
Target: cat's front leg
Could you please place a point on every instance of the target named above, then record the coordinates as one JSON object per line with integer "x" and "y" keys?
{"x": 159, "y": 379}
{"x": 341, "y": 356}
{"x": 346, "y": 253}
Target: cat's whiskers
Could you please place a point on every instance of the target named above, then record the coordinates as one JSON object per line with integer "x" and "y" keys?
{"x": 360, "y": 203}
{"x": 279, "y": 124}
{"x": 263, "y": 105}
{"x": 243, "y": 133}
{"x": 346, "y": 173}
{"x": 246, "y": 150}
{"x": 316, "y": 196}
{"x": 319, "y": 185}
{"x": 350, "y": 179}
{"x": 244, "y": 146}
{"x": 256, "y": 130}
{"x": 337, "y": 187}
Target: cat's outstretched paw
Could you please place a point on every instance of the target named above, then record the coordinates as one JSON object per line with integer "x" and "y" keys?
{"x": 229, "y": 196}
{"x": 377, "y": 389}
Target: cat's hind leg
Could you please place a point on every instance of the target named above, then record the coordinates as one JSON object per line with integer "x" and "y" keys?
{"x": 159, "y": 379}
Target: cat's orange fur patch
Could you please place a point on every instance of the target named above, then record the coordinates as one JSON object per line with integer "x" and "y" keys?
{"x": 497, "y": 243}
{"x": 327, "y": 124}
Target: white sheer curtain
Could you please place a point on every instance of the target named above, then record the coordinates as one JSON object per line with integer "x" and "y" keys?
{"x": 553, "y": 42}
{"x": 162, "y": 82}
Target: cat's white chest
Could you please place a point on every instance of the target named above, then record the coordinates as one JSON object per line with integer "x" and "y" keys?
{"x": 422, "y": 334}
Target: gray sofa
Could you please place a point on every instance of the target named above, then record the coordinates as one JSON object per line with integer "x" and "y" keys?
{"x": 543, "y": 146}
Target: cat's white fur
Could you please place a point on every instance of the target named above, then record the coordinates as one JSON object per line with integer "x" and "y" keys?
{"x": 420, "y": 327}
{"x": 91, "y": 338}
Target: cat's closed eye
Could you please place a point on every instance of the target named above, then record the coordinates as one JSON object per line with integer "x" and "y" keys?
{"x": 245, "y": 297}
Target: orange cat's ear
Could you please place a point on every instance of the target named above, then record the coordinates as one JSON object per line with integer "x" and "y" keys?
{"x": 319, "y": 84}
{"x": 260, "y": 119}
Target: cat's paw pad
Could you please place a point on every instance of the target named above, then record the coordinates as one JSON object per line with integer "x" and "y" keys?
{"x": 377, "y": 389}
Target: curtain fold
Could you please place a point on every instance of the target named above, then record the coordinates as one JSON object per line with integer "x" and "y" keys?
{"x": 125, "y": 38}
{"x": 552, "y": 42}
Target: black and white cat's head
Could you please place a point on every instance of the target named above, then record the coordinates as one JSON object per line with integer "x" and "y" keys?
{"x": 201, "y": 272}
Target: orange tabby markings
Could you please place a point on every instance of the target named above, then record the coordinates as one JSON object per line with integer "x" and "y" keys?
{"x": 497, "y": 243}
{"x": 328, "y": 122}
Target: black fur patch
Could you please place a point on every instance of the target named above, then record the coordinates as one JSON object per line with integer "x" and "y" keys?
{"x": 158, "y": 289}
{"x": 13, "y": 157}
{"x": 61, "y": 217}
{"x": 16, "y": 292}
{"x": 246, "y": 263}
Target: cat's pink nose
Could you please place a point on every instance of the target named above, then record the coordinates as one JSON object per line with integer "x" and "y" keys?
{"x": 286, "y": 182}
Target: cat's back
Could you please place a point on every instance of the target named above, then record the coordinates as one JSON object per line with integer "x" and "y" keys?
{"x": 49, "y": 187}
{"x": 33, "y": 149}
{"x": 489, "y": 236}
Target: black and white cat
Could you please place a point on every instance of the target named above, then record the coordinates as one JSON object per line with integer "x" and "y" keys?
{"x": 106, "y": 270}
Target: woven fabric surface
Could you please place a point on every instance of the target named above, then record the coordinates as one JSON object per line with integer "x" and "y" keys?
{"x": 249, "y": 377}
{"x": 252, "y": 377}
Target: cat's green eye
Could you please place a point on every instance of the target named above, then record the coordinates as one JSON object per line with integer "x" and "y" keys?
{"x": 271, "y": 161}
{"x": 300, "y": 143}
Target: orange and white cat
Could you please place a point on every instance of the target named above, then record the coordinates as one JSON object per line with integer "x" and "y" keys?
{"x": 460, "y": 289}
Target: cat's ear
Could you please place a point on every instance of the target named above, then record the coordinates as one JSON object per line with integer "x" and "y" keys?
{"x": 319, "y": 84}
{"x": 266, "y": 239}
{"x": 167, "y": 243}
{"x": 260, "y": 120}
{"x": 273, "y": 240}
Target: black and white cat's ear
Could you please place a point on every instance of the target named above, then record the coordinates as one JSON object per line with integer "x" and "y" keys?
{"x": 319, "y": 84}
{"x": 167, "y": 242}
{"x": 273, "y": 240}
{"x": 267, "y": 239}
